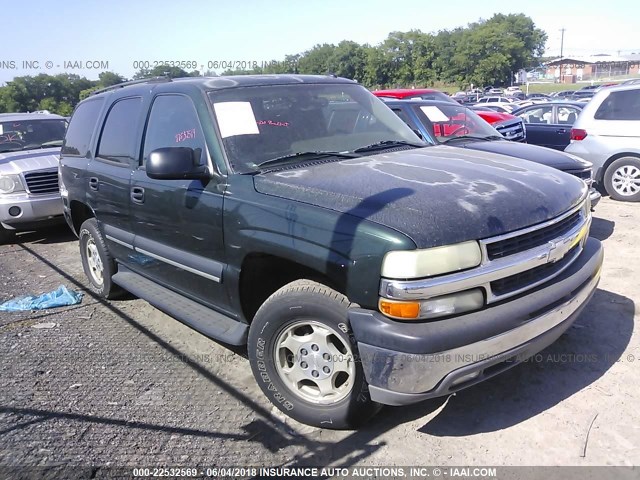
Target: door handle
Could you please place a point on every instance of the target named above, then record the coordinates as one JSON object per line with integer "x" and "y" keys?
{"x": 94, "y": 183}
{"x": 561, "y": 130}
{"x": 137, "y": 195}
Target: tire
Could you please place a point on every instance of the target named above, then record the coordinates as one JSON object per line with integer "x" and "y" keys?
{"x": 326, "y": 389}
{"x": 97, "y": 262}
{"x": 6, "y": 236}
{"x": 622, "y": 179}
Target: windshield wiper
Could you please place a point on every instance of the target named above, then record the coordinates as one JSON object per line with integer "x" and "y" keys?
{"x": 295, "y": 157}
{"x": 464, "y": 137}
{"x": 495, "y": 137}
{"x": 388, "y": 144}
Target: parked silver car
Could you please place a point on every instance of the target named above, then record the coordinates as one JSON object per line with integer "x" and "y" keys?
{"x": 607, "y": 134}
{"x": 29, "y": 152}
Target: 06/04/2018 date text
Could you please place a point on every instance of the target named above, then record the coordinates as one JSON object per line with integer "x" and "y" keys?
{"x": 213, "y": 64}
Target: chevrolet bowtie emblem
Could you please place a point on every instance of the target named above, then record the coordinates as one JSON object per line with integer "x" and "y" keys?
{"x": 559, "y": 248}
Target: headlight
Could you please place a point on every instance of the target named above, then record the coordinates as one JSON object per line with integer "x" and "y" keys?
{"x": 10, "y": 184}
{"x": 433, "y": 307}
{"x": 431, "y": 261}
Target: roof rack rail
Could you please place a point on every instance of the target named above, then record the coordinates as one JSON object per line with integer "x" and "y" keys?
{"x": 160, "y": 79}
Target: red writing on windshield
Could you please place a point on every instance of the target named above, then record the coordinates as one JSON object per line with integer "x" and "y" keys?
{"x": 272, "y": 123}
{"x": 186, "y": 135}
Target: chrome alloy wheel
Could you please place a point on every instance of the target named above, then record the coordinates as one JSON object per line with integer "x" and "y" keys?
{"x": 626, "y": 180}
{"x": 314, "y": 362}
{"x": 96, "y": 269}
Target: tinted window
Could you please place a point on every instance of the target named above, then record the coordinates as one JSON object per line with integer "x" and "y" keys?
{"x": 173, "y": 122}
{"x": 118, "y": 139}
{"x": 83, "y": 122}
{"x": 620, "y": 106}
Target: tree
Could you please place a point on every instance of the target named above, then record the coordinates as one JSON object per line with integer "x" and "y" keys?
{"x": 108, "y": 79}
{"x": 161, "y": 71}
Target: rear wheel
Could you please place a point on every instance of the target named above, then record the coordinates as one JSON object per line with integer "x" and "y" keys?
{"x": 622, "y": 179}
{"x": 304, "y": 357}
{"x": 97, "y": 262}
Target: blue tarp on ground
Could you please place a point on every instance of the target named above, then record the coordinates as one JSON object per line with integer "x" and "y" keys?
{"x": 58, "y": 298}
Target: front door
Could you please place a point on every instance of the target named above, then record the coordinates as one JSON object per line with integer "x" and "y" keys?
{"x": 178, "y": 223}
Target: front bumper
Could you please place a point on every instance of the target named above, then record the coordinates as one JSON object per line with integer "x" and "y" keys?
{"x": 35, "y": 210}
{"x": 409, "y": 362}
{"x": 594, "y": 196}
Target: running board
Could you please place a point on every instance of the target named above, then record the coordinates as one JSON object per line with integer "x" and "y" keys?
{"x": 205, "y": 320}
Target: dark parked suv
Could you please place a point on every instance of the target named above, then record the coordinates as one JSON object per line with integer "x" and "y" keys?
{"x": 359, "y": 265}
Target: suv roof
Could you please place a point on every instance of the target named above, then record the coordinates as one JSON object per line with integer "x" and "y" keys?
{"x": 215, "y": 83}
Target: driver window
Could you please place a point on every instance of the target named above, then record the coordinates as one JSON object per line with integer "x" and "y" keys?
{"x": 173, "y": 122}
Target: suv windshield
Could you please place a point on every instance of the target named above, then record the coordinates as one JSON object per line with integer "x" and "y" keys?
{"x": 28, "y": 134}
{"x": 452, "y": 121}
{"x": 294, "y": 122}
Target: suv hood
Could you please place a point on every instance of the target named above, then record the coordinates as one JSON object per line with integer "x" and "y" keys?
{"x": 535, "y": 153}
{"x": 436, "y": 195}
{"x": 29, "y": 160}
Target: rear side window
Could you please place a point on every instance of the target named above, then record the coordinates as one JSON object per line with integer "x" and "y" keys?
{"x": 623, "y": 105}
{"x": 118, "y": 139}
{"x": 81, "y": 127}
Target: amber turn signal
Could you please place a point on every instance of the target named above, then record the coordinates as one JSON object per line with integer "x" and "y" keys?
{"x": 407, "y": 310}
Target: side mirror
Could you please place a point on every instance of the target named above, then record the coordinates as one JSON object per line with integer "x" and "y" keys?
{"x": 176, "y": 163}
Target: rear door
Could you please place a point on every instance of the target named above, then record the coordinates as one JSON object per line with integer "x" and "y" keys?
{"x": 178, "y": 223}
{"x": 539, "y": 124}
{"x": 110, "y": 174}
{"x": 565, "y": 116}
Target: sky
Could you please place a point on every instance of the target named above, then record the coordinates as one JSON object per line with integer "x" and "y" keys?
{"x": 62, "y": 36}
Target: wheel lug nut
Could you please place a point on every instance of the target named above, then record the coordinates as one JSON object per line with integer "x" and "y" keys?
{"x": 314, "y": 347}
{"x": 303, "y": 352}
{"x": 326, "y": 370}
{"x": 304, "y": 364}
{"x": 315, "y": 373}
{"x": 326, "y": 356}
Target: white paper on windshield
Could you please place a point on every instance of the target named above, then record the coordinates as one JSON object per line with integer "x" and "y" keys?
{"x": 235, "y": 118}
{"x": 1, "y": 130}
{"x": 434, "y": 114}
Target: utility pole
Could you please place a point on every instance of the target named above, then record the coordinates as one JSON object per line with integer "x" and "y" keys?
{"x": 561, "y": 53}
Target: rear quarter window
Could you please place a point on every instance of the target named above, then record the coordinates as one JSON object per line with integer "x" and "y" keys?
{"x": 624, "y": 105}
{"x": 81, "y": 126}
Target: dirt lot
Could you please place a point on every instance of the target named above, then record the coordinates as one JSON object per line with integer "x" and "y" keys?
{"x": 119, "y": 383}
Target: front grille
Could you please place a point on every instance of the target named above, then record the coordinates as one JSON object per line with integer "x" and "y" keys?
{"x": 512, "y": 130}
{"x": 42, "y": 181}
{"x": 529, "y": 278}
{"x": 584, "y": 175}
{"x": 527, "y": 241}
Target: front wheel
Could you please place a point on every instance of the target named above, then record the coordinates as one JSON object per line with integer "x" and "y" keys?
{"x": 304, "y": 357}
{"x": 622, "y": 179}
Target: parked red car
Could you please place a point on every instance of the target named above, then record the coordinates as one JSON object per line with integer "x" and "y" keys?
{"x": 510, "y": 126}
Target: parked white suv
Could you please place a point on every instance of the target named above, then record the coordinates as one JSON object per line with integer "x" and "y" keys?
{"x": 607, "y": 134}
{"x": 29, "y": 151}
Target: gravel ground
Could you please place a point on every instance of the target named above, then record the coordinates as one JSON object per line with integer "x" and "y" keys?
{"x": 121, "y": 384}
